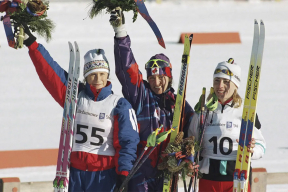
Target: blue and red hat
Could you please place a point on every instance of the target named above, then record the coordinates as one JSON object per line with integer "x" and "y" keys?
{"x": 159, "y": 64}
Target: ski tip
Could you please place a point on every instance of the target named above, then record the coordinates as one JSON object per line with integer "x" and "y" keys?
{"x": 255, "y": 21}
{"x": 71, "y": 49}
{"x": 261, "y": 22}
{"x": 76, "y": 46}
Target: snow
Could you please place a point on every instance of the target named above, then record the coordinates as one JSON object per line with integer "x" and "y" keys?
{"x": 31, "y": 119}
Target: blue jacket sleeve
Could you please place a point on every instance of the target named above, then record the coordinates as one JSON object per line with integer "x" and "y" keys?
{"x": 126, "y": 137}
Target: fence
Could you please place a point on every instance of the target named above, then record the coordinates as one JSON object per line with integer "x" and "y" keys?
{"x": 260, "y": 179}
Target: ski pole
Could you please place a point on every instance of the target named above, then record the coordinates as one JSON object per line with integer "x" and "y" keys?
{"x": 155, "y": 133}
{"x": 159, "y": 139}
{"x": 136, "y": 169}
{"x": 201, "y": 127}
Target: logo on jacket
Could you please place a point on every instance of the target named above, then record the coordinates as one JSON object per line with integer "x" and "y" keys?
{"x": 228, "y": 124}
{"x": 102, "y": 116}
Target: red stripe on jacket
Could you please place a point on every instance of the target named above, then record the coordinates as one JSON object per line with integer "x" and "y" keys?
{"x": 47, "y": 75}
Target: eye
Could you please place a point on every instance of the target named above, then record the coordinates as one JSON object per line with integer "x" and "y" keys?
{"x": 226, "y": 81}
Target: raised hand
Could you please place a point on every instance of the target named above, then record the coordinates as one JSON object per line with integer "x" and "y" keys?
{"x": 117, "y": 20}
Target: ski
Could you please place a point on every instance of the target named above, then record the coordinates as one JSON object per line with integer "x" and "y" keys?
{"x": 242, "y": 167}
{"x": 180, "y": 100}
{"x": 64, "y": 181}
{"x": 61, "y": 180}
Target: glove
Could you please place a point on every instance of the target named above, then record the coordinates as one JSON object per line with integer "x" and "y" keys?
{"x": 211, "y": 105}
{"x": 197, "y": 107}
{"x": 117, "y": 20}
{"x": 120, "y": 180}
{"x": 29, "y": 38}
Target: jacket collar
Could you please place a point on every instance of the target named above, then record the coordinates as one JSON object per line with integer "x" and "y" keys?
{"x": 101, "y": 94}
{"x": 166, "y": 100}
{"x": 226, "y": 102}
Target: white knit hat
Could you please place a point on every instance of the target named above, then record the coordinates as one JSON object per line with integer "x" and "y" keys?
{"x": 234, "y": 71}
{"x": 95, "y": 61}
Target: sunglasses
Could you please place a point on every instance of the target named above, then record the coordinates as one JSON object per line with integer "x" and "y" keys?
{"x": 225, "y": 71}
{"x": 156, "y": 63}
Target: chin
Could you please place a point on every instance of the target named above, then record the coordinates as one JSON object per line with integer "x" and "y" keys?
{"x": 99, "y": 87}
{"x": 158, "y": 92}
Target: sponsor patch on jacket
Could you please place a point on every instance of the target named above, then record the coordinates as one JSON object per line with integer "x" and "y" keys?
{"x": 102, "y": 116}
{"x": 228, "y": 124}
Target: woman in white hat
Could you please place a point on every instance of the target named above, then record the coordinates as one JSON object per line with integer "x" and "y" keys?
{"x": 220, "y": 141}
{"x": 106, "y": 138}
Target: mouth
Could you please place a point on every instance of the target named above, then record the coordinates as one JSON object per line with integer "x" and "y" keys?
{"x": 158, "y": 87}
{"x": 220, "y": 91}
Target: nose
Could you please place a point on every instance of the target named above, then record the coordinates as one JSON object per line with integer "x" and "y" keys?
{"x": 157, "y": 81}
{"x": 221, "y": 83}
{"x": 96, "y": 77}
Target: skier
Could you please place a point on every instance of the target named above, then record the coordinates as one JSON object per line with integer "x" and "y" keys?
{"x": 105, "y": 142}
{"x": 153, "y": 101}
{"x": 220, "y": 141}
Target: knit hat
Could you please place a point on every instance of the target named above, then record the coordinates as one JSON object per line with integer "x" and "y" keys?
{"x": 228, "y": 70}
{"x": 95, "y": 60}
{"x": 159, "y": 64}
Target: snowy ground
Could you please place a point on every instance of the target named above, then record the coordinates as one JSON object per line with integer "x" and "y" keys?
{"x": 31, "y": 119}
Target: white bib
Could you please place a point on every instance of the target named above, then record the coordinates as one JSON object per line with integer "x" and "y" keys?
{"x": 219, "y": 141}
{"x": 93, "y": 132}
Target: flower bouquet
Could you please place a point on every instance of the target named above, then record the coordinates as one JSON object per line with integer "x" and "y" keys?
{"x": 32, "y": 13}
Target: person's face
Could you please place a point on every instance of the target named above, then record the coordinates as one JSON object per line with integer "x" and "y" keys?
{"x": 158, "y": 83}
{"x": 97, "y": 79}
{"x": 224, "y": 88}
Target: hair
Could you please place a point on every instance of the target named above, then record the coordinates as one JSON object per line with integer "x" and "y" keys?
{"x": 170, "y": 82}
{"x": 237, "y": 100}
{"x": 84, "y": 81}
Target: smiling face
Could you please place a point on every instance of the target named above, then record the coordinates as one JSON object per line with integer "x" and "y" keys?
{"x": 158, "y": 83}
{"x": 224, "y": 88}
{"x": 97, "y": 79}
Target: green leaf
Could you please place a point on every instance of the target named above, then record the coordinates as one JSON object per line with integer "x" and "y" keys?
{"x": 108, "y": 5}
{"x": 39, "y": 24}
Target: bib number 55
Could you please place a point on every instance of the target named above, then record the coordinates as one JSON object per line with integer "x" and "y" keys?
{"x": 94, "y": 132}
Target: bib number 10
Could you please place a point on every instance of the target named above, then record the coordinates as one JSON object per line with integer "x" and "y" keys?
{"x": 221, "y": 145}
{"x": 94, "y": 132}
